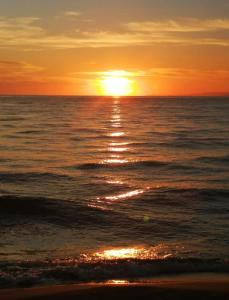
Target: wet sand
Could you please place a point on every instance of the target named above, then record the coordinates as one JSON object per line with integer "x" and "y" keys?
{"x": 181, "y": 287}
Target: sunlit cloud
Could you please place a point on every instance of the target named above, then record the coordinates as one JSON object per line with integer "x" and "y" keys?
{"x": 122, "y": 73}
{"x": 181, "y": 25}
{"x": 18, "y": 29}
{"x": 18, "y": 71}
{"x": 28, "y": 33}
{"x": 71, "y": 13}
{"x": 181, "y": 73}
{"x": 162, "y": 72}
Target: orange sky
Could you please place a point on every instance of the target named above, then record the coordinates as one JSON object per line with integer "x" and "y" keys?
{"x": 169, "y": 47}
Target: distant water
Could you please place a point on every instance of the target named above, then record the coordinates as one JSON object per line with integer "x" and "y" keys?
{"x": 99, "y": 188}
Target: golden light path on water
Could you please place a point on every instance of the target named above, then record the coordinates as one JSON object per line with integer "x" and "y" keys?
{"x": 117, "y": 155}
{"x": 125, "y": 195}
{"x": 121, "y": 253}
{"x": 117, "y": 149}
{"x": 159, "y": 251}
{"x": 117, "y": 282}
{"x": 113, "y": 149}
{"x": 117, "y": 134}
{"x": 113, "y": 144}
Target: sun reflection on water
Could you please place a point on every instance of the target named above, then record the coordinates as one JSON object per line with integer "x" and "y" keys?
{"x": 115, "y": 146}
{"x": 125, "y": 195}
{"x": 117, "y": 150}
{"x": 107, "y": 202}
{"x": 120, "y": 253}
{"x": 114, "y": 149}
{"x": 116, "y": 118}
{"x": 119, "y": 182}
{"x": 139, "y": 252}
{"x": 116, "y": 125}
{"x": 114, "y": 161}
{"x": 117, "y": 134}
{"x": 117, "y": 282}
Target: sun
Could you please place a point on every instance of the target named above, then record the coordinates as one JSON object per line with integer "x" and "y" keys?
{"x": 116, "y": 84}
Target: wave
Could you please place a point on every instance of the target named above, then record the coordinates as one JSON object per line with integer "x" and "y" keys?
{"x": 89, "y": 130}
{"x": 7, "y": 177}
{"x": 180, "y": 141}
{"x": 30, "y": 273}
{"x": 21, "y": 209}
{"x": 132, "y": 165}
{"x": 25, "y": 132}
{"x": 200, "y": 191}
{"x": 104, "y": 212}
{"x": 195, "y": 143}
{"x": 148, "y": 165}
{"x": 214, "y": 159}
{"x": 10, "y": 118}
{"x": 3, "y": 160}
{"x": 188, "y": 196}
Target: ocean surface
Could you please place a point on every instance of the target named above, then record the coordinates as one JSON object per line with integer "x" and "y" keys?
{"x": 97, "y": 189}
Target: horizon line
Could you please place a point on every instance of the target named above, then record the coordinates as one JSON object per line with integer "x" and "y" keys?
{"x": 125, "y": 96}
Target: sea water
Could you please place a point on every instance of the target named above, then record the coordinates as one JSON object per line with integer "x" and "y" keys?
{"x": 101, "y": 188}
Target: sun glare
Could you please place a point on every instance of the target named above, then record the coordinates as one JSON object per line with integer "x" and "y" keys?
{"x": 117, "y": 83}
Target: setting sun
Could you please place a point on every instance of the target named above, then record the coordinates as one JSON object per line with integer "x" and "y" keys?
{"x": 117, "y": 83}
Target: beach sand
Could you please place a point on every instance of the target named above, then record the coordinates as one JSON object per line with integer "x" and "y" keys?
{"x": 181, "y": 287}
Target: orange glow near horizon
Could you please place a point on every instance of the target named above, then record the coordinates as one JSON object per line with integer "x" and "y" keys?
{"x": 79, "y": 49}
{"x": 117, "y": 83}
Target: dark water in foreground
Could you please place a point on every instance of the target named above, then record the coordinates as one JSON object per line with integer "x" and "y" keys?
{"x": 101, "y": 188}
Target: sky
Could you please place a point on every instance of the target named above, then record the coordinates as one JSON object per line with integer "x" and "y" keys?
{"x": 166, "y": 47}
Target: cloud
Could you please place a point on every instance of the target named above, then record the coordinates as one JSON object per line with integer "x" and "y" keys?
{"x": 18, "y": 71}
{"x": 181, "y": 25}
{"x": 71, "y": 13}
{"x": 23, "y": 72}
{"x": 27, "y": 34}
{"x": 119, "y": 73}
{"x": 19, "y": 28}
{"x": 172, "y": 73}
{"x": 187, "y": 73}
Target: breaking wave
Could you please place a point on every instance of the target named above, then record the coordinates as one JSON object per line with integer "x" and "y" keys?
{"x": 30, "y": 273}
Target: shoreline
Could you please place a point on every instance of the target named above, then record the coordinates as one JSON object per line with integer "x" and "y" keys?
{"x": 195, "y": 286}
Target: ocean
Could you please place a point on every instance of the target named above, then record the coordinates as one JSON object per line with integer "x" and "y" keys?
{"x": 100, "y": 188}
